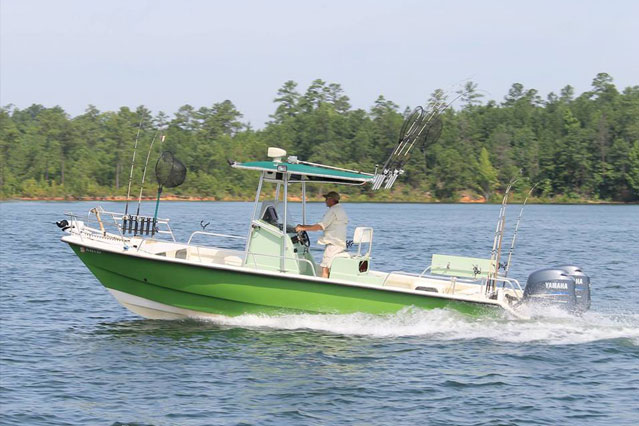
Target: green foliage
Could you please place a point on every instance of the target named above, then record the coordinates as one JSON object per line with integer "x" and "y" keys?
{"x": 576, "y": 147}
{"x": 487, "y": 174}
{"x": 632, "y": 175}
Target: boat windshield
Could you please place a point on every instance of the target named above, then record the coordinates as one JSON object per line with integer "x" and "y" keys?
{"x": 270, "y": 216}
{"x": 269, "y": 213}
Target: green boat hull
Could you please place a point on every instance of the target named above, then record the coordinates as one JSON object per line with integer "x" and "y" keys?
{"x": 210, "y": 290}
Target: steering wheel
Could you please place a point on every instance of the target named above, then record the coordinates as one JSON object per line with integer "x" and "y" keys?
{"x": 302, "y": 237}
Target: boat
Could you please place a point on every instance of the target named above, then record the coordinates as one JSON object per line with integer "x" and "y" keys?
{"x": 140, "y": 262}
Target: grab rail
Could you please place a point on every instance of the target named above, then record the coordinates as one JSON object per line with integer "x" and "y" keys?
{"x": 424, "y": 271}
{"x": 510, "y": 281}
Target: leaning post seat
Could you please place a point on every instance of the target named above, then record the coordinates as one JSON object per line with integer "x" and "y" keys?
{"x": 363, "y": 235}
{"x": 347, "y": 266}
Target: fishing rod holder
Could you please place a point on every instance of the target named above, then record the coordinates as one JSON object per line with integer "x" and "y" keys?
{"x": 139, "y": 225}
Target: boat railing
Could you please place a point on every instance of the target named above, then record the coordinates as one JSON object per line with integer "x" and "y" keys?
{"x": 432, "y": 276}
{"x": 76, "y": 223}
{"x": 512, "y": 283}
{"x": 296, "y": 259}
{"x": 114, "y": 225}
{"x": 92, "y": 225}
{"x": 214, "y": 234}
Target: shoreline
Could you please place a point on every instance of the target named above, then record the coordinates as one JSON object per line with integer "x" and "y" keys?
{"x": 462, "y": 200}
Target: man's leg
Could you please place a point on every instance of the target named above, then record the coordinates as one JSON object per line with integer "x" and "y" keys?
{"x": 329, "y": 254}
{"x": 327, "y": 259}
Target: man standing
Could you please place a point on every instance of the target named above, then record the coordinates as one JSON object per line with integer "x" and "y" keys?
{"x": 334, "y": 226}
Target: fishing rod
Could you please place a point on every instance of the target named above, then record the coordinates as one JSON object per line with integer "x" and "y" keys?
{"x": 512, "y": 244}
{"x": 416, "y": 129}
{"x": 411, "y": 131}
{"x": 411, "y": 128}
{"x": 148, "y": 155}
{"x": 128, "y": 191}
{"x": 393, "y": 163}
{"x": 436, "y": 111}
{"x": 419, "y": 121}
{"x": 495, "y": 253}
{"x": 502, "y": 209}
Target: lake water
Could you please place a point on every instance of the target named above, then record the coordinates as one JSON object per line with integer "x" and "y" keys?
{"x": 70, "y": 354}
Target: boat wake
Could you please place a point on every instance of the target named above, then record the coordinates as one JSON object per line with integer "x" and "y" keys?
{"x": 551, "y": 327}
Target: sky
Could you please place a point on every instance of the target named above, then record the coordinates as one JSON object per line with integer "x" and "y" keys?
{"x": 165, "y": 54}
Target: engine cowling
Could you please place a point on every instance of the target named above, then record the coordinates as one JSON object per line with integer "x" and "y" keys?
{"x": 582, "y": 286}
{"x": 551, "y": 287}
{"x": 563, "y": 286}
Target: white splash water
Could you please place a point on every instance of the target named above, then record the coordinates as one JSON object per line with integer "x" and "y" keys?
{"x": 550, "y": 327}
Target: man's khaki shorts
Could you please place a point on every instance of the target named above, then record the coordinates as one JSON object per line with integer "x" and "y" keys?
{"x": 329, "y": 254}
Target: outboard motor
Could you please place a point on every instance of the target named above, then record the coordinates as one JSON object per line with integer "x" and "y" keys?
{"x": 564, "y": 286}
{"x": 551, "y": 287}
{"x": 582, "y": 286}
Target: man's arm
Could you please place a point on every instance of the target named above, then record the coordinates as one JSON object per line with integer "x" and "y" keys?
{"x": 328, "y": 218}
{"x": 316, "y": 227}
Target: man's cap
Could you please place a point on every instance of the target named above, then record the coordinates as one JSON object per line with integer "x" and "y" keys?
{"x": 334, "y": 195}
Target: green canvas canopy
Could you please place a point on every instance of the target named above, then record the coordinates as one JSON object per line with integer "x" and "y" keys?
{"x": 299, "y": 172}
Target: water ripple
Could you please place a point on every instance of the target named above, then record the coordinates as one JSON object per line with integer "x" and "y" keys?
{"x": 72, "y": 355}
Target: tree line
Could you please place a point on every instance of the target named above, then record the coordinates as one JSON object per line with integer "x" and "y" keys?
{"x": 572, "y": 147}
